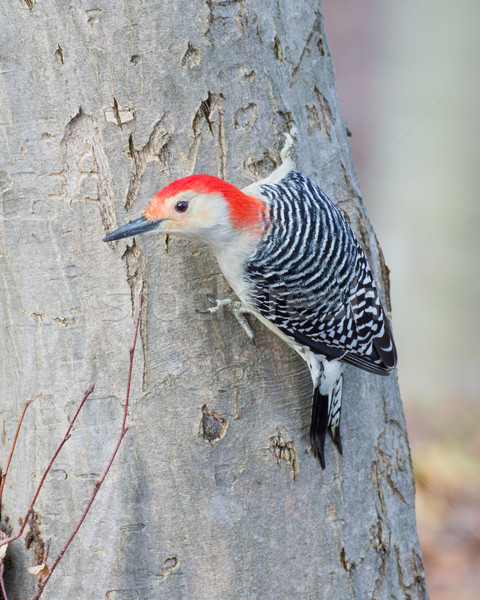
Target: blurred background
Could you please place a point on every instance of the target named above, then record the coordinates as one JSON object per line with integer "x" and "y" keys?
{"x": 408, "y": 77}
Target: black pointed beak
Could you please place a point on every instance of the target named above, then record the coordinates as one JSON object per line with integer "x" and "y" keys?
{"x": 135, "y": 227}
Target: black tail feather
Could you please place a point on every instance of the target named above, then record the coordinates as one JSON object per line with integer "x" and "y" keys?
{"x": 319, "y": 425}
{"x": 335, "y": 435}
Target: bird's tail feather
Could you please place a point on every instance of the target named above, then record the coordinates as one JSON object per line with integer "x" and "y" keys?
{"x": 335, "y": 412}
{"x": 319, "y": 425}
{"x": 326, "y": 412}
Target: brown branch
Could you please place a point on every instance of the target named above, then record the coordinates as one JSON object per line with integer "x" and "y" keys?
{"x": 41, "y": 585}
{"x": 46, "y": 550}
{"x": 2, "y": 583}
{"x": 19, "y": 424}
{"x": 67, "y": 435}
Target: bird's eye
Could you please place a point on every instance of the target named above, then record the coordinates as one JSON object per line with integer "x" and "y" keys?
{"x": 181, "y": 206}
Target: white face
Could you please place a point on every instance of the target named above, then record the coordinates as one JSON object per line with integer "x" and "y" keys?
{"x": 193, "y": 215}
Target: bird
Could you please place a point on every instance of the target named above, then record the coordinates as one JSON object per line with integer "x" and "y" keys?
{"x": 293, "y": 261}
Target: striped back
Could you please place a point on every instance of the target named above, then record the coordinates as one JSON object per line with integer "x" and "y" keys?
{"x": 312, "y": 280}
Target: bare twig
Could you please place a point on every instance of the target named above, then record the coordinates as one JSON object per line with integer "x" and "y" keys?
{"x": 41, "y": 585}
{"x": 2, "y": 583}
{"x": 67, "y": 435}
{"x": 19, "y": 424}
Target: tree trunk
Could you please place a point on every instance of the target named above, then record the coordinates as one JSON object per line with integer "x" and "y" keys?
{"x": 101, "y": 107}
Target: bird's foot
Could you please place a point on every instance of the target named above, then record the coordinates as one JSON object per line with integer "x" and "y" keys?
{"x": 235, "y": 307}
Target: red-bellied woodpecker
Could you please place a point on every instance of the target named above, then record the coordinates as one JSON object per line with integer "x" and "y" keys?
{"x": 293, "y": 261}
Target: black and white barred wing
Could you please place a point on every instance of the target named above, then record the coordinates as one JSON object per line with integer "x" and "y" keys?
{"x": 311, "y": 279}
{"x": 375, "y": 349}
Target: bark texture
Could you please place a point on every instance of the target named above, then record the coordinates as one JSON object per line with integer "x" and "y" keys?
{"x": 101, "y": 105}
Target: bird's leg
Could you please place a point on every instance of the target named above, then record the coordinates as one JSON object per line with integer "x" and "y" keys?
{"x": 238, "y": 310}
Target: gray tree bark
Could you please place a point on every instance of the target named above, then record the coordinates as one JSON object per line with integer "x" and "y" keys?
{"x": 102, "y": 104}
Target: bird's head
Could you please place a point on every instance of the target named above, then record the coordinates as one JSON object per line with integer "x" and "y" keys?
{"x": 200, "y": 207}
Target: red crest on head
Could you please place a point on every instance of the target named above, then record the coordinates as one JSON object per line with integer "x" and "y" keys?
{"x": 245, "y": 211}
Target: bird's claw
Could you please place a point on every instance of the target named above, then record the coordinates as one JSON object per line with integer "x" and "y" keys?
{"x": 235, "y": 307}
{"x": 211, "y": 310}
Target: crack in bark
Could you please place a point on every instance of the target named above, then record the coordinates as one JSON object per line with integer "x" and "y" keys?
{"x": 192, "y": 57}
{"x": 222, "y": 14}
{"x": 382, "y": 546}
{"x": 135, "y": 278}
{"x": 347, "y": 565}
{"x": 213, "y": 427}
{"x": 204, "y": 113}
{"x": 86, "y": 174}
{"x": 327, "y": 116}
{"x": 277, "y": 46}
{"x": 287, "y": 451}
{"x": 60, "y": 54}
{"x": 316, "y": 30}
{"x": 222, "y": 140}
{"x": 245, "y": 117}
{"x": 389, "y": 466}
{"x": 413, "y": 568}
{"x": 151, "y": 151}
